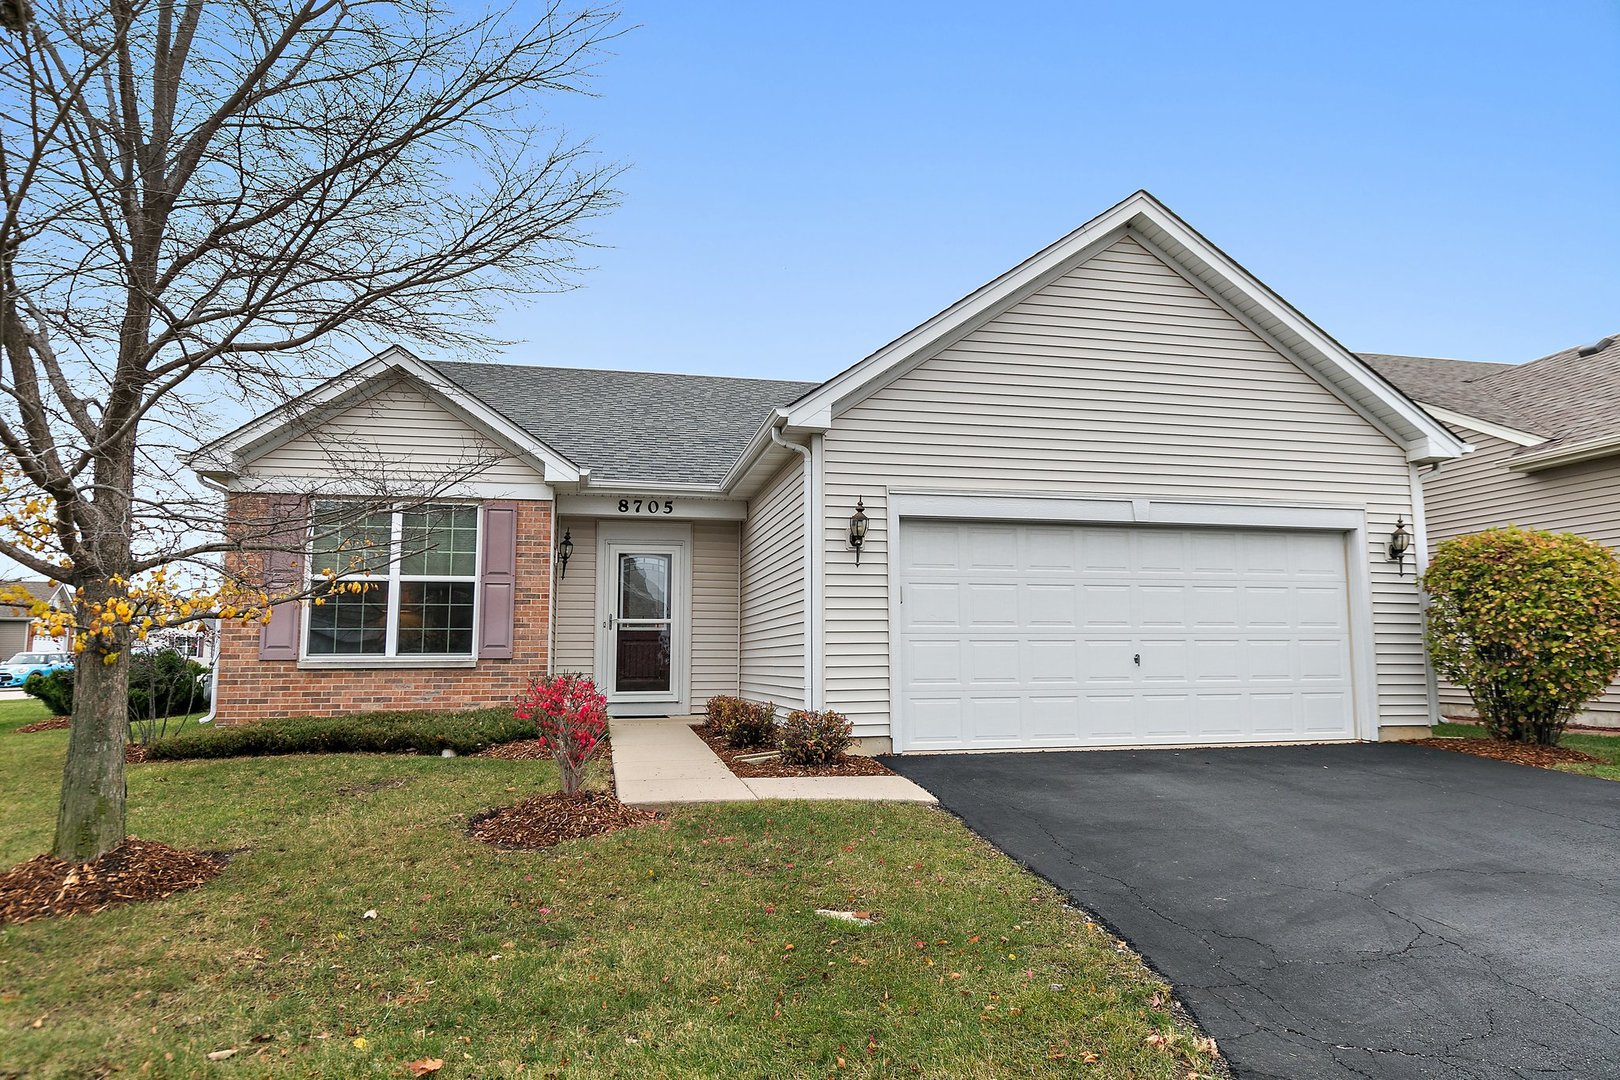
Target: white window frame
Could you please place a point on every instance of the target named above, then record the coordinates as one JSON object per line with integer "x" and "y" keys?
{"x": 393, "y": 578}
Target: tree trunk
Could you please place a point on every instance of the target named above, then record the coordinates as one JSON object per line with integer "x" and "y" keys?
{"x": 91, "y": 820}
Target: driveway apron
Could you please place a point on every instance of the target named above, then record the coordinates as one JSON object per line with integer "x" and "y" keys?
{"x": 1335, "y": 911}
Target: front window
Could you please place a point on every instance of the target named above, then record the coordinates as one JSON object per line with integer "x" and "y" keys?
{"x": 417, "y": 572}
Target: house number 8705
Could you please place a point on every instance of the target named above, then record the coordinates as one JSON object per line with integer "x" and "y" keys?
{"x": 646, "y": 506}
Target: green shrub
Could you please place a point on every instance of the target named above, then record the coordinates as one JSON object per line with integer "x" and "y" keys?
{"x": 165, "y": 684}
{"x": 161, "y": 684}
{"x": 743, "y": 724}
{"x": 1528, "y": 622}
{"x": 814, "y": 738}
{"x": 55, "y": 690}
{"x": 379, "y": 732}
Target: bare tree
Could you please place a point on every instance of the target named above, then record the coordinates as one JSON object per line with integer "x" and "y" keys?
{"x": 205, "y": 201}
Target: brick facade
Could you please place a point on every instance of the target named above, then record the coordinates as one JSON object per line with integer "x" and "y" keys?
{"x": 247, "y": 688}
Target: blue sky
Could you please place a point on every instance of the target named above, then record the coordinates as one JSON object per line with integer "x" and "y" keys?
{"x": 809, "y": 181}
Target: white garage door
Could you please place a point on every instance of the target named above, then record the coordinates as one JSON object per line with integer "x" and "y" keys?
{"x": 1057, "y": 635}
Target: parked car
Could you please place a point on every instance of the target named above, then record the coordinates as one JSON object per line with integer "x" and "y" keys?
{"x": 15, "y": 672}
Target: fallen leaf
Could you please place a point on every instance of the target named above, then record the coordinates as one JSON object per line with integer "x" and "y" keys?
{"x": 221, "y": 1055}
{"x": 425, "y": 1066}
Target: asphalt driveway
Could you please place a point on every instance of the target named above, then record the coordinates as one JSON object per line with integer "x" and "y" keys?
{"x": 1336, "y": 911}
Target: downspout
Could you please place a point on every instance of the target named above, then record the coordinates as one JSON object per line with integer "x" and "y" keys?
{"x": 812, "y": 601}
{"x": 1420, "y": 562}
{"x": 219, "y": 653}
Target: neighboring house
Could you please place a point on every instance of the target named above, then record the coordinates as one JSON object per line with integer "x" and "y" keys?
{"x": 1547, "y": 453}
{"x": 17, "y": 631}
{"x": 1121, "y": 495}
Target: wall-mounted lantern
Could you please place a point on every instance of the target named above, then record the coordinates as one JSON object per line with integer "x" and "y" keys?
{"x": 1400, "y": 542}
{"x": 857, "y": 528}
{"x": 565, "y": 551}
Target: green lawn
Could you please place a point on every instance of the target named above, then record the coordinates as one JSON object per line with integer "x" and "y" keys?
{"x": 1604, "y": 747}
{"x": 682, "y": 949}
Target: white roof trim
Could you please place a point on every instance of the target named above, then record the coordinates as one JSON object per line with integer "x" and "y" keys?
{"x": 227, "y": 455}
{"x": 1566, "y": 454}
{"x": 1484, "y": 427}
{"x": 1422, "y": 437}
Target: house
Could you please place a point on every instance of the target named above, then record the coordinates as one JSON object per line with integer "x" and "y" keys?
{"x": 1547, "y": 454}
{"x": 17, "y": 630}
{"x": 1121, "y": 495}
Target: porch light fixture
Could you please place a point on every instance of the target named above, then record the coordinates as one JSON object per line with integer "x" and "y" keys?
{"x": 565, "y": 551}
{"x": 857, "y": 528}
{"x": 1400, "y": 541}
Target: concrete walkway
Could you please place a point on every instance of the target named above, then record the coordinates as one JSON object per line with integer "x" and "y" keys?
{"x": 661, "y": 761}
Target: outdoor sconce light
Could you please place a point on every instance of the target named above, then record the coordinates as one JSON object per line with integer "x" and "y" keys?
{"x": 1399, "y": 542}
{"x": 565, "y": 551}
{"x": 857, "y": 528}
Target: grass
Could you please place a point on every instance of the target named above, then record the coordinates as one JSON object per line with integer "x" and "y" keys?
{"x": 662, "y": 951}
{"x": 1606, "y": 748}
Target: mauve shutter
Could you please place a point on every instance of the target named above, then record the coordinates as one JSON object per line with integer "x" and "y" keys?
{"x": 278, "y": 639}
{"x": 497, "y": 587}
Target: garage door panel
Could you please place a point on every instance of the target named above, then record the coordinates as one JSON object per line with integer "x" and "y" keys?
{"x": 1051, "y": 607}
{"x": 934, "y": 662}
{"x": 1105, "y": 606}
{"x": 935, "y": 721}
{"x": 991, "y": 662}
{"x": 1053, "y": 662}
{"x": 933, "y": 605}
{"x": 1030, "y": 636}
{"x": 1161, "y": 606}
{"x": 991, "y": 606}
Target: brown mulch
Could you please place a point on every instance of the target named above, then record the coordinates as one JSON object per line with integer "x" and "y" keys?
{"x": 852, "y": 765}
{"x": 531, "y": 750}
{"x": 134, "y": 870}
{"x": 1518, "y": 753}
{"x": 545, "y": 820}
{"x": 55, "y": 723}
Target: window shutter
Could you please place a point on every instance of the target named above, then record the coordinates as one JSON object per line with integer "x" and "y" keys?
{"x": 497, "y": 584}
{"x": 278, "y": 639}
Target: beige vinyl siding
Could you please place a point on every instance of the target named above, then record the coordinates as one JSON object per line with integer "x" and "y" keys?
{"x": 773, "y": 574}
{"x": 1479, "y": 491}
{"x": 575, "y": 601}
{"x": 1120, "y": 378}
{"x": 400, "y": 433}
{"x": 716, "y": 564}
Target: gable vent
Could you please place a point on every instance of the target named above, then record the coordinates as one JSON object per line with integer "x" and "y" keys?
{"x": 1597, "y": 346}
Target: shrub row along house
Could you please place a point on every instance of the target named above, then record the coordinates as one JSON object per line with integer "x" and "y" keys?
{"x": 1123, "y": 494}
{"x": 1546, "y": 438}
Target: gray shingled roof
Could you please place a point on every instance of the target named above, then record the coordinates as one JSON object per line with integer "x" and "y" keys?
{"x": 630, "y": 425}
{"x": 38, "y": 588}
{"x": 1564, "y": 395}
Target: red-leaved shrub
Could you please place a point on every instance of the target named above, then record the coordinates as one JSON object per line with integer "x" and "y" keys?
{"x": 571, "y": 715}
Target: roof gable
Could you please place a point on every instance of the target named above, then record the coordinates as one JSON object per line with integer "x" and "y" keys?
{"x": 1200, "y": 263}
{"x": 227, "y": 456}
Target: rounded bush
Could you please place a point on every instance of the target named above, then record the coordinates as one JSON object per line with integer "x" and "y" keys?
{"x": 743, "y": 724}
{"x": 1528, "y": 622}
{"x": 814, "y": 738}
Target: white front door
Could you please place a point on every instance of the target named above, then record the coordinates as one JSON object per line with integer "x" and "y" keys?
{"x": 643, "y": 624}
{"x": 1017, "y": 636}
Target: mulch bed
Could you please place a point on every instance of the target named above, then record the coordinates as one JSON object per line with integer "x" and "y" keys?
{"x": 55, "y": 723}
{"x": 1518, "y": 753}
{"x": 852, "y": 765}
{"x": 545, "y": 820}
{"x": 134, "y": 870}
{"x": 531, "y": 750}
